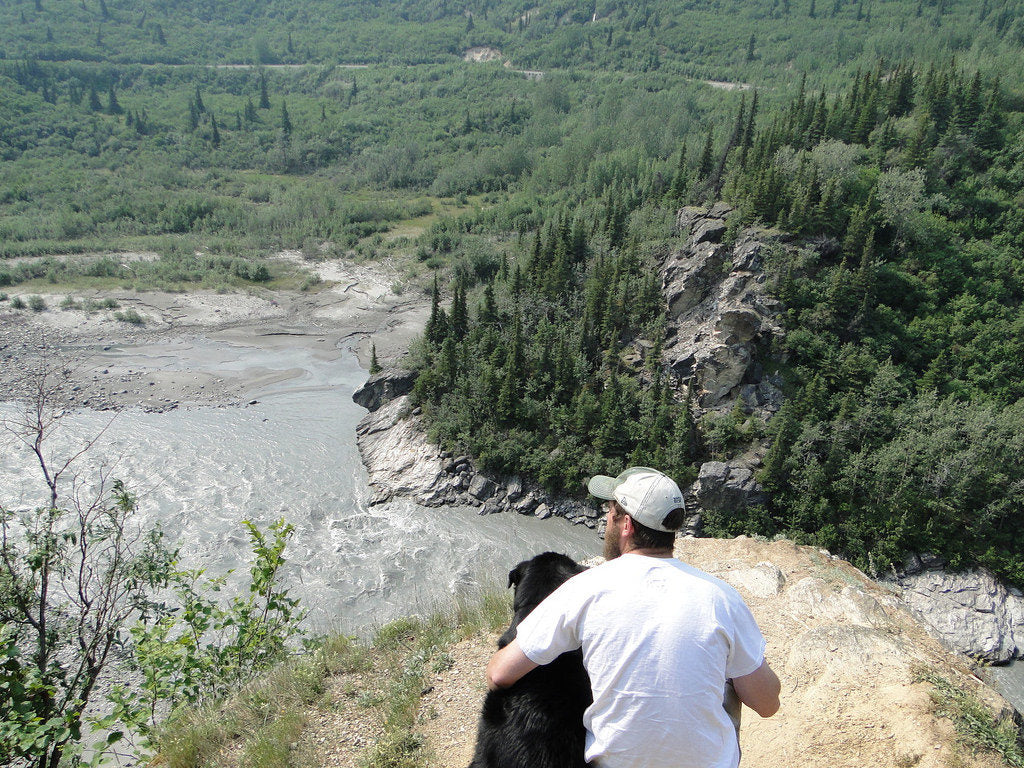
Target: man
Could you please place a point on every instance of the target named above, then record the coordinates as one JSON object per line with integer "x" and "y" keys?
{"x": 660, "y": 640}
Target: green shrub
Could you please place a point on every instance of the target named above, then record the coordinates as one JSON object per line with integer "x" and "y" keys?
{"x": 18, "y": 303}
{"x": 36, "y": 303}
{"x": 130, "y": 316}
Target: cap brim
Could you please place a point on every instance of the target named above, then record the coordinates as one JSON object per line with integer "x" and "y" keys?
{"x": 603, "y": 486}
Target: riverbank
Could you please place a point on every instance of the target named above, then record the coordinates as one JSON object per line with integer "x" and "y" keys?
{"x": 117, "y": 346}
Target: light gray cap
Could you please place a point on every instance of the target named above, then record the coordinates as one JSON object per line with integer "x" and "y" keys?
{"x": 646, "y": 495}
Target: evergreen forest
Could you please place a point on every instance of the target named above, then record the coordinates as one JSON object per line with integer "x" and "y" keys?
{"x": 533, "y": 197}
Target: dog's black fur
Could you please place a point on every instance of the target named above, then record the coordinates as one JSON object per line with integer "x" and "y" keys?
{"x": 538, "y": 722}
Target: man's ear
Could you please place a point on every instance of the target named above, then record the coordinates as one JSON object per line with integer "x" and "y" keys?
{"x": 627, "y": 528}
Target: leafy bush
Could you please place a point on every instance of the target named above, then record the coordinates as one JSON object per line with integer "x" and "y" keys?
{"x": 130, "y": 316}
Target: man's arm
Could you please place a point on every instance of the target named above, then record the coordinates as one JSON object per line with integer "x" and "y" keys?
{"x": 507, "y": 666}
{"x": 759, "y": 690}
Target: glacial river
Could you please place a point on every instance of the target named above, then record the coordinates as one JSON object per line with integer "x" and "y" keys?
{"x": 199, "y": 471}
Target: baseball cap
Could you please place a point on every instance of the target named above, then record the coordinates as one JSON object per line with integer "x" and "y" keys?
{"x": 646, "y": 494}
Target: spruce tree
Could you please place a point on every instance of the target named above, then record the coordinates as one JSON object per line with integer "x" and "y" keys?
{"x": 459, "y": 326}
{"x": 286, "y": 123}
{"x": 264, "y": 98}
{"x": 437, "y": 325}
{"x": 113, "y": 107}
{"x": 680, "y": 181}
{"x": 215, "y": 134}
{"x": 707, "y": 158}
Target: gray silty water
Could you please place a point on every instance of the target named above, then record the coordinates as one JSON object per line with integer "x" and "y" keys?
{"x": 199, "y": 471}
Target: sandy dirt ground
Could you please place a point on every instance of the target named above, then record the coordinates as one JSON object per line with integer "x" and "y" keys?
{"x": 113, "y": 362}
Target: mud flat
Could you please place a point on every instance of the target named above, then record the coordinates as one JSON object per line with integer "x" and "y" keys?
{"x": 115, "y": 363}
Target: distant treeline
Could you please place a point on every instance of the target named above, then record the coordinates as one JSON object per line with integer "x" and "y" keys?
{"x": 742, "y": 40}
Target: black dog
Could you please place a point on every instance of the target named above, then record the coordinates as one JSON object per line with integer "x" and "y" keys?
{"x": 538, "y": 722}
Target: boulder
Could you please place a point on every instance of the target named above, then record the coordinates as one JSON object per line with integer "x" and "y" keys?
{"x": 969, "y": 611}
{"x": 481, "y": 488}
{"x": 383, "y": 387}
{"x": 707, "y": 231}
{"x": 725, "y": 487}
{"x": 513, "y": 489}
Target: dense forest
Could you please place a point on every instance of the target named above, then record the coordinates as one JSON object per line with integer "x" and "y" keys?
{"x": 536, "y": 197}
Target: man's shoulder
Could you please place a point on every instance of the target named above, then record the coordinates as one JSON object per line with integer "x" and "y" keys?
{"x": 711, "y": 583}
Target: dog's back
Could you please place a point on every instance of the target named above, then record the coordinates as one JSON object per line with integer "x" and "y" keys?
{"x": 538, "y": 722}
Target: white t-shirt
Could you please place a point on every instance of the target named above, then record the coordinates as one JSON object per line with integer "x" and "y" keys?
{"x": 659, "y": 640}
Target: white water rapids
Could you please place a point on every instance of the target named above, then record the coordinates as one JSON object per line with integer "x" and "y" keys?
{"x": 199, "y": 471}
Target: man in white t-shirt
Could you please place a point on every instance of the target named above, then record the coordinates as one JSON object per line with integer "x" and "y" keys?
{"x": 660, "y": 640}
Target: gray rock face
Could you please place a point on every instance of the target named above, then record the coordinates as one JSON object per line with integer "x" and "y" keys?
{"x": 382, "y": 387}
{"x": 719, "y": 308}
{"x": 398, "y": 456}
{"x": 970, "y": 612}
{"x": 725, "y": 487}
{"x": 401, "y": 462}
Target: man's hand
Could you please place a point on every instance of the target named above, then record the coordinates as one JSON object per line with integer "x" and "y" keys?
{"x": 759, "y": 690}
{"x": 507, "y": 666}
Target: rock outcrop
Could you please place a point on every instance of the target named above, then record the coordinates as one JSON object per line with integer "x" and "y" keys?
{"x": 969, "y": 611}
{"x": 402, "y": 462}
{"x": 727, "y": 486}
{"x": 383, "y": 387}
{"x": 720, "y": 312}
{"x": 850, "y": 656}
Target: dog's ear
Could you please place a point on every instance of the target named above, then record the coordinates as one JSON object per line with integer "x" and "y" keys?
{"x": 516, "y": 574}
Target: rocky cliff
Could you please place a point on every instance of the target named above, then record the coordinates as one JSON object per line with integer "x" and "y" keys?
{"x": 722, "y": 321}
{"x": 720, "y": 312}
{"x": 402, "y": 462}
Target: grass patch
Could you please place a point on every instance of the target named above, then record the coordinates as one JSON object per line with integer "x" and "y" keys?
{"x": 976, "y": 726}
{"x": 267, "y": 716}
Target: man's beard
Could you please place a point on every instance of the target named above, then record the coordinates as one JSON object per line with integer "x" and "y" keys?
{"x": 612, "y": 542}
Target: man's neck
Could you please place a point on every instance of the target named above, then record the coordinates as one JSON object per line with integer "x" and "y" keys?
{"x": 649, "y": 551}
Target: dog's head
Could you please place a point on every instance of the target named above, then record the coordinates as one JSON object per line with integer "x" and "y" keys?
{"x": 535, "y": 579}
